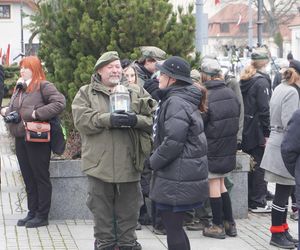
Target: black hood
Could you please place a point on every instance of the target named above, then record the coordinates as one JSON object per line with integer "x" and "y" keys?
{"x": 189, "y": 93}
{"x": 247, "y": 84}
{"x": 214, "y": 84}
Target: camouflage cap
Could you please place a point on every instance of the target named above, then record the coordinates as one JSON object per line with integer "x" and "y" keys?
{"x": 260, "y": 54}
{"x": 106, "y": 58}
{"x": 195, "y": 75}
{"x": 153, "y": 52}
{"x": 211, "y": 67}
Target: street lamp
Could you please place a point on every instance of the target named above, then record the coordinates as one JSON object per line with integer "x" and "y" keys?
{"x": 259, "y": 23}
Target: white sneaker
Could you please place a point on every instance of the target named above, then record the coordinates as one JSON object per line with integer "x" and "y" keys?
{"x": 266, "y": 209}
{"x": 294, "y": 215}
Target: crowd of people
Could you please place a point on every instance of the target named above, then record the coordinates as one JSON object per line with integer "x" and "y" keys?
{"x": 163, "y": 155}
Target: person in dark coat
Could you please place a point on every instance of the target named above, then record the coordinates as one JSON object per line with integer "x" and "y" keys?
{"x": 256, "y": 90}
{"x": 221, "y": 124}
{"x": 290, "y": 151}
{"x": 179, "y": 162}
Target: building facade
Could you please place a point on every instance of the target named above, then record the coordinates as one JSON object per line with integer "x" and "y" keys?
{"x": 12, "y": 30}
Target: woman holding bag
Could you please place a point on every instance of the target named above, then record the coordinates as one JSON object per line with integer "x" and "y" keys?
{"x": 26, "y": 105}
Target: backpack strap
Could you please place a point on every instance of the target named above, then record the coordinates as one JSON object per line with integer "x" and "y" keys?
{"x": 42, "y": 86}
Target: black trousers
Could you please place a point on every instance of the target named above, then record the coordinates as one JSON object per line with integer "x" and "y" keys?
{"x": 34, "y": 159}
{"x": 256, "y": 183}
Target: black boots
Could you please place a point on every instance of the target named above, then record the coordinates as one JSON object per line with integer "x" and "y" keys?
{"x": 37, "y": 222}
{"x": 230, "y": 228}
{"x": 136, "y": 246}
{"x": 290, "y": 238}
{"x": 99, "y": 246}
{"x": 280, "y": 240}
{"x": 22, "y": 222}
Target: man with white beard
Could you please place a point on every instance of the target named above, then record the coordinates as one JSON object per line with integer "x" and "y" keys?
{"x": 111, "y": 155}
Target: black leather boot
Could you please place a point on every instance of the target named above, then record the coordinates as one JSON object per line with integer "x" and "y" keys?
{"x": 136, "y": 246}
{"x": 230, "y": 228}
{"x": 290, "y": 238}
{"x": 280, "y": 240}
{"x": 99, "y": 246}
{"x": 22, "y": 222}
{"x": 37, "y": 222}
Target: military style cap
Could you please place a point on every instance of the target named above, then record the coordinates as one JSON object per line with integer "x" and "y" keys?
{"x": 260, "y": 54}
{"x": 177, "y": 68}
{"x": 295, "y": 65}
{"x": 195, "y": 75}
{"x": 211, "y": 67}
{"x": 153, "y": 52}
{"x": 106, "y": 58}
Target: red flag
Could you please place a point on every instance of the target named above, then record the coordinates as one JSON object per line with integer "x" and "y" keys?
{"x": 217, "y": 2}
{"x": 7, "y": 55}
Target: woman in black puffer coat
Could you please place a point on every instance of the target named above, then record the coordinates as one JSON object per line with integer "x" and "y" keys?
{"x": 179, "y": 162}
{"x": 221, "y": 124}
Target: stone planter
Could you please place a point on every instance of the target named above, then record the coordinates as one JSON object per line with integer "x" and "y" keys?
{"x": 239, "y": 192}
{"x": 69, "y": 191}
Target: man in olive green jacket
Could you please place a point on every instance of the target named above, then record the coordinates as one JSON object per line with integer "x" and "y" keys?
{"x": 109, "y": 153}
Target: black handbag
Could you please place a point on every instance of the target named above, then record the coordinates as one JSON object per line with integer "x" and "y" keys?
{"x": 58, "y": 138}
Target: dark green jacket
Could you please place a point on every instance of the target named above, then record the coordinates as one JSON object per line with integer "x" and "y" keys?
{"x": 108, "y": 153}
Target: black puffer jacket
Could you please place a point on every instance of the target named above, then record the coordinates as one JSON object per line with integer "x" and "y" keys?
{"x": 256, "y": 93}
{"x": 221, "y": 124}
{"x": 290, "y": 150}
{"x": 179, "y": 159}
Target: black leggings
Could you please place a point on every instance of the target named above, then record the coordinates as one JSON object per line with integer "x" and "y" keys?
{"x": 176, "y": 236}
{"x": 282, "y": 193}
{"x": 279, "y": 207}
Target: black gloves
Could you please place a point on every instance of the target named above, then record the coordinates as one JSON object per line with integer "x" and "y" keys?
{"x": 121, "y": 118}
{"x": 239, "y": 146}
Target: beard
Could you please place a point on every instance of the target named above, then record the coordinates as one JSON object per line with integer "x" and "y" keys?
{"x": 114, "y": 80}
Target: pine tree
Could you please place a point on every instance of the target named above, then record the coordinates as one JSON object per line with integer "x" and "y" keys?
{"x": 74, "y": 33}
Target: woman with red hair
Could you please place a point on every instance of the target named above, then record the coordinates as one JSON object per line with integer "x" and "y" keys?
{"x": 34, "y": 99}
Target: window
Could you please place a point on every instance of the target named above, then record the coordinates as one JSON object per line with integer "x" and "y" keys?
{"x": 243, "y": 27}
{"x": 33, "y": 50}
{"x": 224, "y": 27}
{"x": 4, "y": 11}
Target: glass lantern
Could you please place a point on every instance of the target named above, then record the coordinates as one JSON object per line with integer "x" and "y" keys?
{"x": 120, "y": 99}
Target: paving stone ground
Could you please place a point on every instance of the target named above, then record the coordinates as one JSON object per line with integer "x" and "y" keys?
{"x": 253, "y": 232}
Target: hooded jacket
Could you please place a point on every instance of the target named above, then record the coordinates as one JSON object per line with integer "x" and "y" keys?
{"x": 221, "y": 124}
{"x": 179, "y": 158}
{"x": 108, "y": 154}
{"x": 256, "y": 93}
